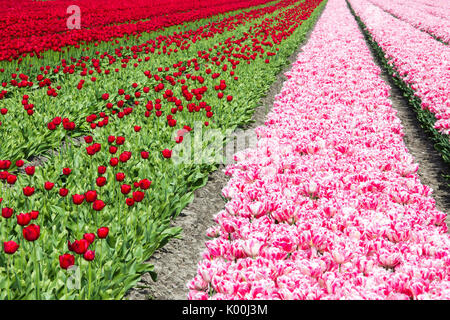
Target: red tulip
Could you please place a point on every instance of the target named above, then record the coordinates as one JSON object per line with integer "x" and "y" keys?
{"x": 89, "y": 255}
{"x": 145, "y": 184}
{"x": 102, "y": 232}
{"x": 120, "y": 140}
{"x": 11, "y": 179}
{"x": 80, "y": 246}
{"x": 138, "y": 196}
{"x": 48, "y": 185}
{"x": 98, "y": 205}
{"x": 78, "y": 199}
{"x": 90, "y": 237}
{"x": 101, "y": 181}
{"x": 111, "y": 139}
{"x": 63, "y": 192}
{"x": 91, "y": 196}
{"x": 125, "y": 188}
{"x": 144, "y": 155}
{"x": 88, "y": 139}
{"x": 129, "y": 202}
{"x": 67, "y": 171}
{"x": 114, "y": 162}
{"x": 112, "y": 149}
{"x": 66, "y": 260}
{"x": 23, "y": 218}
{"x": 30, "y": 170}
{"x": 7, "y": 212}
{"x": 34, "y": 214}
{"x": 28, "y": 191}
{"x": 120, "y": 176}
{"x": 19, "y": 163}
{"x": 10, "y": 247}
{"x": 167, "y": 153}
{"x": 32, "y": 232}
{"x": 101, "y": 170}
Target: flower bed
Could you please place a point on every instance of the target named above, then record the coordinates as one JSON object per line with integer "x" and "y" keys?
{"x": 419, "y": 62}
{"x": 415, "y": 15}
{"x": 329, "y": 205}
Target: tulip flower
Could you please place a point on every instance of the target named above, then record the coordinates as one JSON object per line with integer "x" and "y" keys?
{"x": 31, "y": 232}
{"x": 98, "y": 205}
{"x": 102, "y": 232}
{"x": 10, "y": 247}
{"x": 66, "y": 260}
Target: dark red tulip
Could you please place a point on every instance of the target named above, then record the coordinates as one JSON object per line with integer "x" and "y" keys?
{"x": 19, "y": 163}
{"x": 88, "y": 139}
{"x": 7, "y": 212}
{"x": 120, "y": 176}
{"x": 66, "y": 260}
{"x": 114, "y": 162}
{"x": 111, "y": 139}
{"x": 102, "y": 232}
{"x": 34, "y": 214}
{"x": 78, "y": 199}
{"x": 23, "y": 218}
{"x": 101, "y": 181}
{"x": 63, "y": 192}
{"x": 80, "y": 246}
{"x": 11, "y": 179}
{"x": 48, "y": 185}
{"x": 144, "y": 184}
{"x": 28, "y": 191}
{"x": 144, "y": 155}
{"x": 10, "y": 247}
{"x": 89, "y": 255}
{"x": 167, "y": 153}
{"x": 90, "y": 237}
{"x": 32, "y": 232}
{"x": 91, "y": 196}
{"x": 138, "y": 196}
{"x": 129, "y": 202}
{"x": 98, "y": 205}
{"x": 101, "y": 169}
{"x": 30, "y": 170}
{"x": 120, "y": 140}
{"x": 125, "y": 188}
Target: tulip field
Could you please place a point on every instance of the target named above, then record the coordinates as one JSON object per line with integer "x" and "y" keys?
{"x": 327, "y": 205}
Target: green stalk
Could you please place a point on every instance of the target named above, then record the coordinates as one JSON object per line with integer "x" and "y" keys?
{"x": 37, "y": 269}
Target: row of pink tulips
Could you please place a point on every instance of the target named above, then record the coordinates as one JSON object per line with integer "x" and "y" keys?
{"x": 435, "y": 8}
{"x": 328, "y": 205}
{"x": 414, "y": 15}
{"x": 436, "y": 4}
{"x": 422, "y": 61}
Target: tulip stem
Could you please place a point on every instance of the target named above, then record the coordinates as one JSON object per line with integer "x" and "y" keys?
{"x": 37, "y": 269}
{"x": 9, "y": 279}
{"x": 90, "y": 280}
